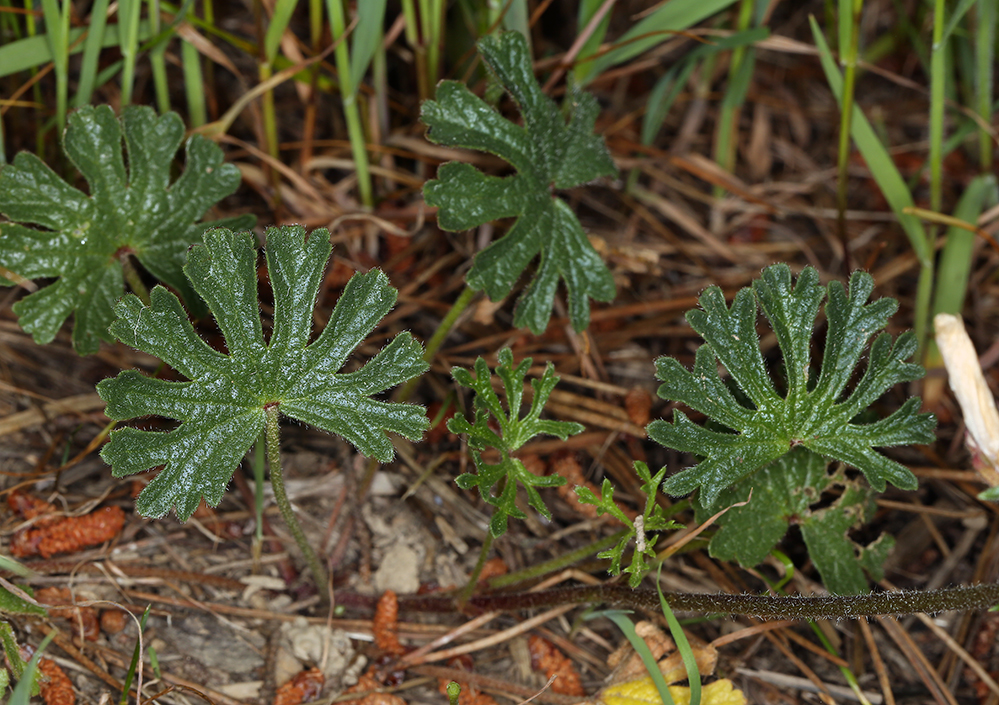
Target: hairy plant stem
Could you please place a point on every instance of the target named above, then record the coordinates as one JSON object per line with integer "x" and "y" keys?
{"x": 964, "y": 597}
{"x": 439, "y": 336}
{"x": 133, "y": 278}
{"x": 281, "y": 499}
{"x": 473, "y": 579}
{"x": 557, "y": 563}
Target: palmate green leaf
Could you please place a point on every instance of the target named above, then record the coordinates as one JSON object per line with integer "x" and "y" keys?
{"x": 129, "y": 211}
{"x": 786, "y": 491}
{"x": 222, "y": 407}
{"x": 548, "y": 154}
{"x": 514, "y": 431}
{"x": 819, "y": 418}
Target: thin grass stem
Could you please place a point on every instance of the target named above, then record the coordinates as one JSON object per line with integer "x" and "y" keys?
{"x": 466, "y": 592}
{"x": 92, "y": 45}
{"x": 849, "y": 17}
{"x": 128, "y": 28}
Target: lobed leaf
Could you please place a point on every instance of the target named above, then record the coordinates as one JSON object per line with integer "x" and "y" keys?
{"x": 134, "y": 210}
{"x": 817, "y": 417}
{"x": 548, "y": 154}
{"x": 222, "y": 406}
{"x": 787, "y": 491}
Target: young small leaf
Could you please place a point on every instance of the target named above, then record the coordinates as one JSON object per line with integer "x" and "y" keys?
{"x": 135, "y": 211}
{"x": 819, "y": 417}
{"x": 514, "y": 431}
{"x": 222, "y": 407}
{"x": 653, "y": 519}
{"x": 548, "y": 154}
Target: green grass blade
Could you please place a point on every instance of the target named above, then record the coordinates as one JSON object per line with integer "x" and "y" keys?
{"x": 22, "y": 693}
{"x": 516, "y": 18}
{"x": 962, "y": 8}
{"x": 674, "y": 16}
{"x": 34, "y": 52}
{"x": 938, "y": 84}
{"x": 892, "y": 186}
{"x": 92, "y": 46}
{"x": 955, "y": 262}
{"x": 365, "y": 39}
{"x": 128, "y": 21}
{"x": 682, "y": 644}
{"x": 355, "y": 128}
{"x": 136, "y": 653}
{"x": 985, "y": 39}
{"x": 668, "y": 87}
{"x": 849, "y": 46}
{"x": 157, "y": 60}
{"x": 878, "y": 160}
{"x": 283, "y": 10}
{"x": 627, "y": 627}
{"x": 194, "y": 85}
{"x": 588, "y": 8}
{"x": 57, "y": 28}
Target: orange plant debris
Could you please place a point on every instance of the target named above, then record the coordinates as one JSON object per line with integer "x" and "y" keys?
{"x": 369, "y": 682}
{"x": 27, "y": 505}
{"x": 468, "y": 696}
{"x": 68, "y": 534}
{"x": 113, "y": 621}
{"x": 303, "y": 687}
{"x": 56, "y": 688}
{"x": 638, "y": 404}
{"x": 492, "y": 568}
{"x": 547, "y": 658}
{"x": 385, "y": 623}
{"x": 62, "y": 606}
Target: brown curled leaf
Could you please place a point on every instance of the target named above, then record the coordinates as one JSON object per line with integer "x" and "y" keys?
{"x": 566, "y": 465}
{"x": 493, "y": 567}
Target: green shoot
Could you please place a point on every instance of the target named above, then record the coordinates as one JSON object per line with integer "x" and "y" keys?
{"x": 652, "y": 519}
{"x": 514, "y": 431}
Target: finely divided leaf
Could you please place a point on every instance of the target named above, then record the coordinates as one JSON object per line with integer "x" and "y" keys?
{"x": 547, "y": 154}
{"x": 820, "y": 418}
{"x": 222, "y": 406}
{"x": 644, "y": 530}
{"x": 133, "y": 211}
{"x": 514, "y": 431}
